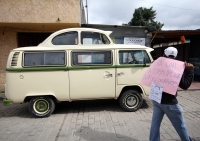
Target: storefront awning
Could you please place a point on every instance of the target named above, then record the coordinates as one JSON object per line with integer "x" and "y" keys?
{"x": 172, "y": 36}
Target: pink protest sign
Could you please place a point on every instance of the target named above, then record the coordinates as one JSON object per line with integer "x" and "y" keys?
{"x": 165, "y": 72}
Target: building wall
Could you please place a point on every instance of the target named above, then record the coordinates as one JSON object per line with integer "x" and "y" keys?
{"x": 40, "y": 11}
{"x": 119, "y": 32}
{"x": 34, "y": 16}
{"x": 7, "y": 42}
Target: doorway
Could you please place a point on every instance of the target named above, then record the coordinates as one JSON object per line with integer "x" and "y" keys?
{"x": 26, "y": 39}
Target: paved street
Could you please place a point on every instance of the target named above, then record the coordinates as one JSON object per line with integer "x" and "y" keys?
{"x": 94, "y": 121}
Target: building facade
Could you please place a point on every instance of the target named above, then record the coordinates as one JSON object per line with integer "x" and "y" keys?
{"x": 28, "y": 23}
{"x": 125, "y": 34}
{"x": 186, "y": 41}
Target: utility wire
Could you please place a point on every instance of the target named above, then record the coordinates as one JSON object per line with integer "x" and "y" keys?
{"x": 169, "y": 6}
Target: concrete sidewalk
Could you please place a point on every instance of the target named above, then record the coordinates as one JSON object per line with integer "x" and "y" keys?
{"x": 194, "y": 86}
{"x": 95, "y": 121}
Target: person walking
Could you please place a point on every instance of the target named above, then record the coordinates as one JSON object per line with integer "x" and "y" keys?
{"x": 169, "y": 104}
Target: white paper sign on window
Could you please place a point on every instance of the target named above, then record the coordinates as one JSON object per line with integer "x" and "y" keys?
{"x": 156, "y": 92}
{"x": 84, "y": 58}
{"x": 87, "y": 41}
{"x": 133, "y": 40}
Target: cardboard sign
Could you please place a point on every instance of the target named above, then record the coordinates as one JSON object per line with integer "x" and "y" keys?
{"x": 165, "y": 72}
{"x": 156, "y": 92}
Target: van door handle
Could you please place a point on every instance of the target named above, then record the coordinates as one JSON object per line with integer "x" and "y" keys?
{"x": 108, "y": 75}
{"x": 121, "y": 73}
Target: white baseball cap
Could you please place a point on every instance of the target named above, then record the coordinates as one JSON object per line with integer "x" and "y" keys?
{"x": 171, "y": 52}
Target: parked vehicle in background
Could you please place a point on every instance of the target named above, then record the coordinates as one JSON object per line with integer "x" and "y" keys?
{"x": 76, "y": 64}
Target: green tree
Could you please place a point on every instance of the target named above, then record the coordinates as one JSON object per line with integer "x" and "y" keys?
{"x": 145, "y": 17}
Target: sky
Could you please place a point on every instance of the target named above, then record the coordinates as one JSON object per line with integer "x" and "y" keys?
{"x": 175, "y": 14}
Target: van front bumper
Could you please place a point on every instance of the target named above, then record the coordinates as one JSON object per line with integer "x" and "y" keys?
{"x": 7, "y": 102}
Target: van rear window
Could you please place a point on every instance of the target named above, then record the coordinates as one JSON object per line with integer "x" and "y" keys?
{"x": 44, "y": 59}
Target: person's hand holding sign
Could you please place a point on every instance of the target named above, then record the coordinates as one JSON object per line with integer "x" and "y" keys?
{"x": 189, "y": 66}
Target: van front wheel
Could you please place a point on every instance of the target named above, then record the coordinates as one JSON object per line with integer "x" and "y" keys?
{"x": 42, "y": 106}
{"x": 130, "y": 101}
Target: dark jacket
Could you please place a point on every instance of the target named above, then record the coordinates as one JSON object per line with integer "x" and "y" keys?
{"x": 185, "y": 82}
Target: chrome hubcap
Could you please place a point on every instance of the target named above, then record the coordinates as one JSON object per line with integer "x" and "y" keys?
{"x": 131, "y": 101}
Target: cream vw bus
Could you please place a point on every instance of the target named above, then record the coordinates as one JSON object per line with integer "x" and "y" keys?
{"x": 76, "y": 64}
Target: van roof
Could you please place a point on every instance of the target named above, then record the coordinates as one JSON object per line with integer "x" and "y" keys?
{"x": 47, "y": 45}
{"x": 82, "y": 47}
{"x": 47, "y": 41}
{"x": 82, "y": 29}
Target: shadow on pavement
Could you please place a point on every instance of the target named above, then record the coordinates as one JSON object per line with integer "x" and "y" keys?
{"x": 89, "y": 134}
{"x": 88, "y": 105}
{"x": 21, "y": 110}
{"x": 91, "y": 105}
{"x": 144, "y": 105}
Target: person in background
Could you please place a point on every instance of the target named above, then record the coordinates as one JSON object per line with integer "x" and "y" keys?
{"x": 169, "y": 104}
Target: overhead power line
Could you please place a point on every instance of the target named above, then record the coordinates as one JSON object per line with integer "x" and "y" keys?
{"x": 169, "y": 6}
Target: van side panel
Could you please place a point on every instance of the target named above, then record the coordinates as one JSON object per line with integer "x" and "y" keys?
{"x": 134, "y": 76}
{"x": 37, "y": 83}
{"x": 130, "y": 74}
{"x": 145, "y": 90}
{"x": 93, "y": 81}
{"x": 92, "y": 84}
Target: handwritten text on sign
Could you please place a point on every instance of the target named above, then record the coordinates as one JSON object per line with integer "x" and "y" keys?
{"x": 156, "y": 92}
{"x": 165, "y": 72}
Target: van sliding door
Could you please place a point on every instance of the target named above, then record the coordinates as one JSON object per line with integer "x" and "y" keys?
{"x": 92, "y": 74}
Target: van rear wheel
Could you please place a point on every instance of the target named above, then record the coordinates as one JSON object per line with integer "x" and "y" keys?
{"x": 130, "y": 100}
{"x": 42, "y": 106}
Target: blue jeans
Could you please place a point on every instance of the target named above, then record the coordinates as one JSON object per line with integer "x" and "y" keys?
{"x": 175, "y": 115}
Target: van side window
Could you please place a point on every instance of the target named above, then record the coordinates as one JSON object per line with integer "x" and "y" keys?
{"x": 68, "y": 38}
{"x": 44, "y": 59}
{"x": 92, "y": 58}
{"x": 89, "y": 38}
{"x": 133, "y": 57}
